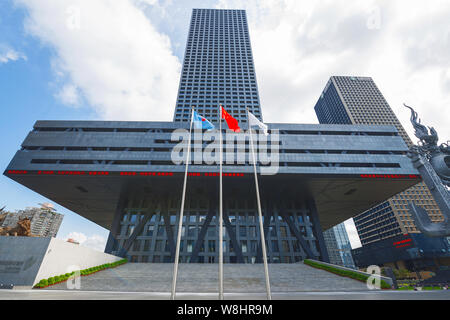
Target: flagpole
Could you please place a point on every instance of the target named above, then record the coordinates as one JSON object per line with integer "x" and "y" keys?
{"x": 261, "y": 228}
{"x": 180, "y": 223}
{"x": 220, "y": 212}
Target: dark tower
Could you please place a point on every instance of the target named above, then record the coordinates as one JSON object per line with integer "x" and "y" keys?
{"x": 357, "y": 100}
{"x": 218, "y": 67}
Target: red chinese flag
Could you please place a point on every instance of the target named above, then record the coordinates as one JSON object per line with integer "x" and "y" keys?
{"x": 232, "y": 123}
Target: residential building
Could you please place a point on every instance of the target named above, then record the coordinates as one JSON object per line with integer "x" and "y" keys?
{"x": 45, "y": 221}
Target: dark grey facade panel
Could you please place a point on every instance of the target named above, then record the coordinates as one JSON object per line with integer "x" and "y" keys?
{"x": 330, "y": 153}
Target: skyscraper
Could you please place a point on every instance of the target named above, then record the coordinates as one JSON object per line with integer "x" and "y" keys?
{"x": 218, "y": 67}
{"x": 357, "y": 100}
{"x": 338, "y": 246}
{"x": 122, "y": 176}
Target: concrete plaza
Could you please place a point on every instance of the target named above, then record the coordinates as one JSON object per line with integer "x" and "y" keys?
{"x": 150, "y": 281}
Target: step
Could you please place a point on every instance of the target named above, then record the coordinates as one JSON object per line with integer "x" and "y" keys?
{"x": 203, "y": 278}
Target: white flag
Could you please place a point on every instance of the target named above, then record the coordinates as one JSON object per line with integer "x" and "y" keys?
{"x": 253, "y": 121}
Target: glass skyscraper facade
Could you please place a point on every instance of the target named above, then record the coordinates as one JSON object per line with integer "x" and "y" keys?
{"x": 338, "y": 246}
{"x": 357, "y": 100}
{"x": 218, "y": 67}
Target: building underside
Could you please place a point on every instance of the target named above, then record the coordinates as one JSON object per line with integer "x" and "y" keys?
{"x": 120, "y": 176}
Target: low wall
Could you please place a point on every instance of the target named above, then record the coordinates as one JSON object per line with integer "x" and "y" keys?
{"x": 25, "y": 261}
{"x": 20, "y": 259}
{"x": 387, "y": 279}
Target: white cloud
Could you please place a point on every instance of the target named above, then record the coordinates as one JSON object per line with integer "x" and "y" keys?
{"x": 69, "y": 95}
{"x": 298, "y": 45}
{"x": 95, "y": 242}
{"x": 108, "y": 54}
{"x": 8, "y": 54}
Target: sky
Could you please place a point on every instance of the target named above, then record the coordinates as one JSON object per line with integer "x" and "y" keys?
{"x": 121, "y": 60}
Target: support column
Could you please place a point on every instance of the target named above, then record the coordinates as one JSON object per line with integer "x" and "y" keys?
{"x": 303, "y": 243}
{"x": 169, "y": 232}
{"x": 203, "y": 230}
{"x": 115, "y": 228}
{"x": 233, "y": 239}
{"x": 267, "y": 217}
{"x": 137, "y": 231}
{"x": 318, "y": 230}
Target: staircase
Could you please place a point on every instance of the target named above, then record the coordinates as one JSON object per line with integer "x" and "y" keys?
{"x": 203, "y": 278}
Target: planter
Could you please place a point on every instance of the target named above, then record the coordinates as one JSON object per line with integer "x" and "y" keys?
{"x": 344, "y": 273}
{"x": 84, "y": 275}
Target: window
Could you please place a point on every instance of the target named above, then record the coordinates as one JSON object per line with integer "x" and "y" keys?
{"x": 190, "y": 245}
{"x": 244, "y": 246}
{"x": 275, "y": 247}
{"x": 211, "y": 246}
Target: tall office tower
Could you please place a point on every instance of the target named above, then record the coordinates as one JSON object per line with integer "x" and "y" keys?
{"x": 338, "y": 246}
{"x": 45, "y": 222}
{"x": 218, "y": 67}
{"x": 357, "y": 100}
{"x": 121, "y": 175}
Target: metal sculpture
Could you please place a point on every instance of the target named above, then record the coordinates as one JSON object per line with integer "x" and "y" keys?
{"x": 433, "y": 163}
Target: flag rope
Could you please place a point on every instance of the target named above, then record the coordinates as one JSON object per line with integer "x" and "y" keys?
{"x": 261, "y": 227}
{"x": 220, "y": 211}
{"x": 180, "y": 223}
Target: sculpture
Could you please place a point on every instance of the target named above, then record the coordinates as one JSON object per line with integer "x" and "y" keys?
{"x": 433, "y": 163}
{"x": 23, "y": 229}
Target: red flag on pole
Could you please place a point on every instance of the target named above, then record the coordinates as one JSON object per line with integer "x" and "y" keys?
{"x": 232, "y": 123}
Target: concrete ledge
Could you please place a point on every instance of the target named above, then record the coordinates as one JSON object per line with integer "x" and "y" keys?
{"x": 386, "y": 279}
{"x": 24, "y": 261}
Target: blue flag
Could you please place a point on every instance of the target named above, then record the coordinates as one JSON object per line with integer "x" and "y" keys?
{"x": 201, "y": 122}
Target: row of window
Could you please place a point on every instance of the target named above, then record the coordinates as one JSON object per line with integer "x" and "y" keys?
{"x": 204, "y": 258}
{"x": 247, "y": 163}
{"x": 170, "y": 130}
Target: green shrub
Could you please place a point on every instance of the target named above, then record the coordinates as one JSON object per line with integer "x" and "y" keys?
{"x": 432, "y": 288}
{"x": 345, "y": 273}
{"x": 406, "y": 288}
{"x": 42, "y": 284}
{"x": 84, "y": 272}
